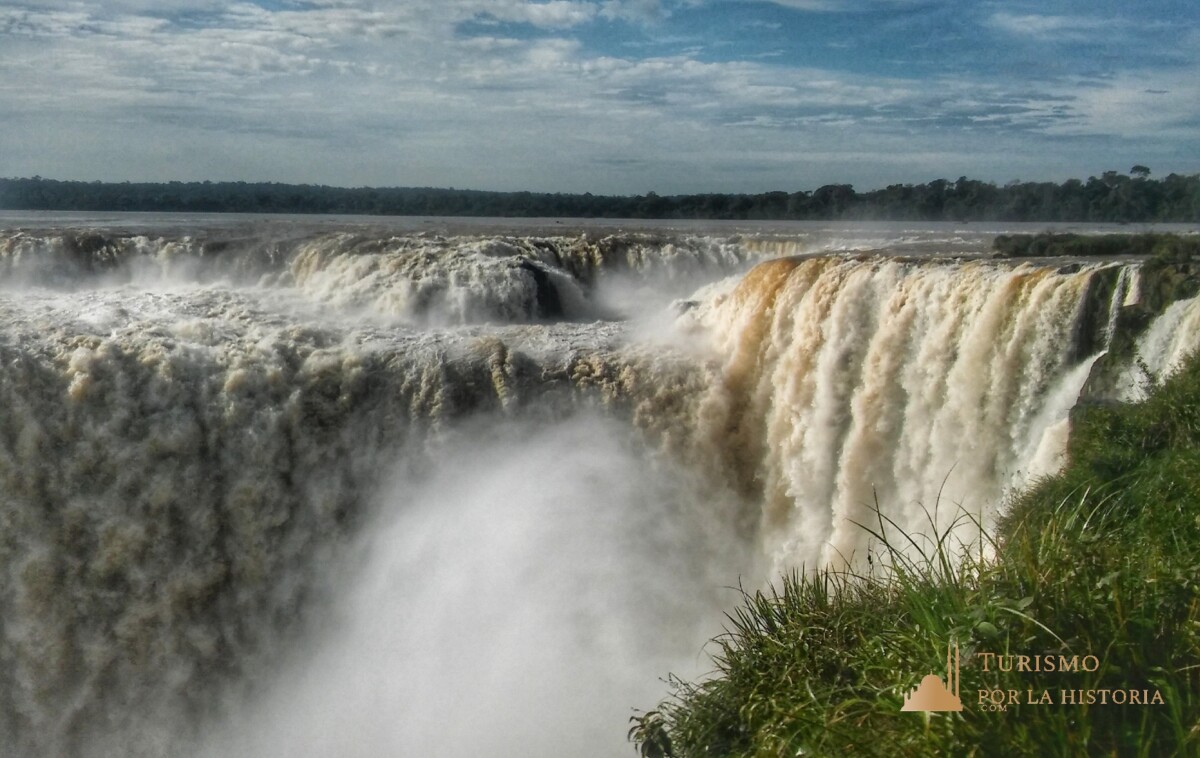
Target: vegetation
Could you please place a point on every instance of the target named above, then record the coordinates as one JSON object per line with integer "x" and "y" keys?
{"x": 1112, "y": 197}
{"x": 1164, "y": 247}
{"x": 1099, "y": 560}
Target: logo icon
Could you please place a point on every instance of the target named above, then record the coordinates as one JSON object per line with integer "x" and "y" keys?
{"x": 932, "y": 694}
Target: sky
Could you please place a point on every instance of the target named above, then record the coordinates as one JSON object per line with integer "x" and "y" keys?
{"x": 602, "y": 96}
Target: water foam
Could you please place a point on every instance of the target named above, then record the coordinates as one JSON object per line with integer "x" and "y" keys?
{"x": 521, "y": 595}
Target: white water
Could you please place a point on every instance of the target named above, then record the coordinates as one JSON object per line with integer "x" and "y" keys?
{"x": 278, "y": 492}
{"x": 928, "y": 387}
{"x": 1172, "y": 337}
{"x": 512, "y": 605}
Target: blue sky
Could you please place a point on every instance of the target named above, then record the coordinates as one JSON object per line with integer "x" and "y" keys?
{"x": 606, "y": 96}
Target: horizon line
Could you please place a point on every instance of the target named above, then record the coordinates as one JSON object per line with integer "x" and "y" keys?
{"x": 585, "y": 193}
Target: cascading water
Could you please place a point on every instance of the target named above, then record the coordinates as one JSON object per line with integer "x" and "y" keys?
{"x": 920, "y": 386}
{"x": 1163, "y": 346}
{"x": 373, "y": 492}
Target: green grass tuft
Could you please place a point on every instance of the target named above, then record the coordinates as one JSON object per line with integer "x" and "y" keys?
{"x": 1102, "y": 559}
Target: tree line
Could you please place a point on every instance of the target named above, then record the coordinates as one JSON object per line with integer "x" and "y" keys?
{"x": 1111, "y": 197}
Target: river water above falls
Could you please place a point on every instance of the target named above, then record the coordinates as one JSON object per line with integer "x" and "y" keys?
{"x": 415, "y": 487}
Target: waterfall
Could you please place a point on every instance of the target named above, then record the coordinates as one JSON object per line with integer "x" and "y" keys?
{"x": 925, "y": 388}
{"x": 235, "y": 461}
{"x": 1170, "y": 338}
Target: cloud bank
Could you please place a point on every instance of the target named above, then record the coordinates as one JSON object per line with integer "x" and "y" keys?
{"x": 615, "y": 96}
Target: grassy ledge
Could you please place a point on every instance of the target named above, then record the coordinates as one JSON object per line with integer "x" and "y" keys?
{"x": 1101, "y": 560}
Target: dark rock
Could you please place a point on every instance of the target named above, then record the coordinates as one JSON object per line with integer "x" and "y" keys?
{"x": 549, "y": 305}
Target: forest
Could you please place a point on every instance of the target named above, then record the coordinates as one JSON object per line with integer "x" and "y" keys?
{"x": 1112, "y": 197}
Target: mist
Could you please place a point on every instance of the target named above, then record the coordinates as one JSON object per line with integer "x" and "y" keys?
{"x": 517, "y": 598}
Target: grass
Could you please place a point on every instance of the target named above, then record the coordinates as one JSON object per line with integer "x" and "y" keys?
{"x": 1102, "y": 559}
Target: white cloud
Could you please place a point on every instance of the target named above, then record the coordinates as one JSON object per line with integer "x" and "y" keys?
{"x": 556, "y": 14}
{"x": 810, "y": 5}
{"x": 1136, "y": 105}
{"x": 640, "y": 11}
{"x": 354, "y": 92}
{"x": 1051, "y": 27}
{"x": 823, "y": 6}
